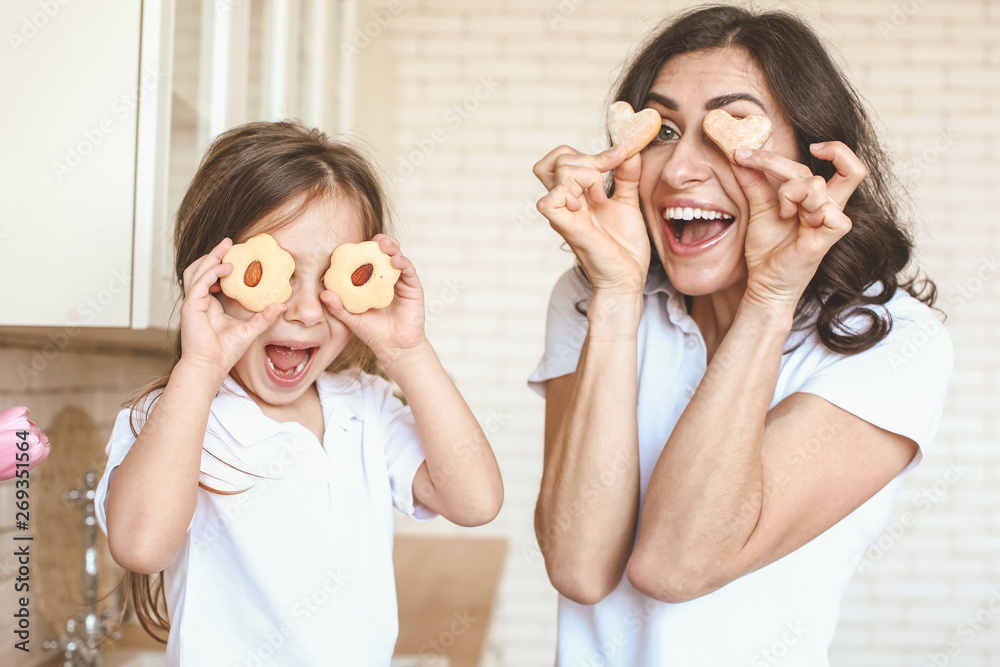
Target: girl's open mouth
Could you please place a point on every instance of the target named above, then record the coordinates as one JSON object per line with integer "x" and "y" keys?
{"x": 691, "y": 231}
{"x": 286, "y": 365}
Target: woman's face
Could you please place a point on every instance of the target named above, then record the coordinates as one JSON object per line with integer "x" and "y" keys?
{"x": 694, "y": 208}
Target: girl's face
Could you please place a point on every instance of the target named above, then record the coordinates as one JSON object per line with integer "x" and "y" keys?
{"x": 694, "y": 208}
{"x": 285, "y": 360}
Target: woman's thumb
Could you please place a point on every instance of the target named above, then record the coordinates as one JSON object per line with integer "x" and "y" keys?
{"x": 627, "y": 179}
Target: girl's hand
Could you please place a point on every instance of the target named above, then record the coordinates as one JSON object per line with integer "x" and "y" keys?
{"x": 608, "y": 236}
{"x": 791, "y": 229}
{"x": 398, "y": 327}
{"x": 209, "y": 337}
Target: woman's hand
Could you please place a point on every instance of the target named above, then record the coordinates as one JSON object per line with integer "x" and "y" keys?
{"x": 608, "y": 236}
{"x": 792, "y": 229}
{"x": 209, "y": 337}
{"x": 397, "y": 328}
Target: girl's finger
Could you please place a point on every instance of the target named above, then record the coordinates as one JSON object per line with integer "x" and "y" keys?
{"x": 202, "y": 285}
{"x": 214, "y": 257}
{"x": 850, "y": 169}
{"x": 335, "y": 306}
{"x": 387, "y": 244}
{"x": 259, "y": 322}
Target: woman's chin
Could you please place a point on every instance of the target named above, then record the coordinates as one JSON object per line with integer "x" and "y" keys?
{"x": 703, "y": 281}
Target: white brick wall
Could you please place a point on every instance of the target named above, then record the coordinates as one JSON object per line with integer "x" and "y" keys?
{"x": 488, "y": 261}
{"x": 929, "y": 69}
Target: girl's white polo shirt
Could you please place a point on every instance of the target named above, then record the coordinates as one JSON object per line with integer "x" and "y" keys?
{"x": 784, "y": 613}
{"x": 297, "y": 569}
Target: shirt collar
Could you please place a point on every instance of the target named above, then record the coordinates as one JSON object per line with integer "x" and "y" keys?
{"x": 248, "y": 424}
{"x": 658, "y": 282}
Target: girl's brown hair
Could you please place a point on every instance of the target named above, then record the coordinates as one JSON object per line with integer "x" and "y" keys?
{"x": 820, "y": 105}
{"x": 249, "y": 173}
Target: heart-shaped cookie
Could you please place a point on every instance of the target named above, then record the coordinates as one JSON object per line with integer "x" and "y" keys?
{"x": 731, "y": 133}
{"x": 633, "y": 130}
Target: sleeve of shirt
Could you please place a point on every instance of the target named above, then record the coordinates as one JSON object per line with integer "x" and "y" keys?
{"x": 901, "y": 383}
{"x": 118, "y": 446}
{"x": 565, "y": 330}
{"x": 404, "y": 453}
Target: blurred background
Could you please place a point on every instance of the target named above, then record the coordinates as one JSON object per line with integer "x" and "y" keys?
{"x": 107, "y": 110}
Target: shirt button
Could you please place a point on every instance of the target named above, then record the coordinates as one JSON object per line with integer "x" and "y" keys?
{"x": 690, "y": 343}
{"x": 689, "y": 392}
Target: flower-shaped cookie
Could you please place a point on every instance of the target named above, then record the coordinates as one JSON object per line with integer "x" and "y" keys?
{"x": 362, "y": 275}
{"x": 261, "y": 273}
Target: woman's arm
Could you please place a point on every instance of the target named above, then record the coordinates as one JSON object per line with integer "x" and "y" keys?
{"x": 736, "y": 487}
{"x": 732, "y": 491}
{"x": 587, "y": 509}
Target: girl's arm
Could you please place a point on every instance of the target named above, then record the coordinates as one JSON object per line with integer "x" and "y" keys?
{"x": 460, "y": 479}
{"x": 151, "y": 498}
{"x": 734, "y": 488}
{"x": 587, "y": 509}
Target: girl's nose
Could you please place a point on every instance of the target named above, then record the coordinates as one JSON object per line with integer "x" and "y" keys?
{"x": 304, "y": 305}
{"x": 689, "y": 162}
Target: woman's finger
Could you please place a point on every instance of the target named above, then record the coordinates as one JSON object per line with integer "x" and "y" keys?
{"x": 850, "y": 169}
{"x": 545, "y": 169}
{"x": 830, "y": 223}
{"x": 627, "y": 180}
{"x": 807, "y": 193}
{"x": 778, "y": 166}
{"x": 579, "y": 179}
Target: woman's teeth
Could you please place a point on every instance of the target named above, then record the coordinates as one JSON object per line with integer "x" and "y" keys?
{"x": 678, "y": 218}
{"x": 685, "y": 213}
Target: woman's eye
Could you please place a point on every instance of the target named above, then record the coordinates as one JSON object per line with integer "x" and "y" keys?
{"x": 667, "y": 133}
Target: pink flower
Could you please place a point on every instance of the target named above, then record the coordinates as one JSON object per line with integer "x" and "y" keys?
{"x": 22, "y": 444}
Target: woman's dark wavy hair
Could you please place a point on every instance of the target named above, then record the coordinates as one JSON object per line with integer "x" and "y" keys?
{"x": 820, "y": 104}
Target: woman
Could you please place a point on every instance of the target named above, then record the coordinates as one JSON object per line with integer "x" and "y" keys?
{"x": 731, "y": 396}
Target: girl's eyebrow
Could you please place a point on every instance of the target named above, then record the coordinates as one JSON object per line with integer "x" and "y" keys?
{"x": 714, "y": 103}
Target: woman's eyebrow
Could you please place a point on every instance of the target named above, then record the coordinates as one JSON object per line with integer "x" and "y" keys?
{"x": 714, "y": 103}
{"x": 723, "y": 100}
{"x": 662, "y": 100}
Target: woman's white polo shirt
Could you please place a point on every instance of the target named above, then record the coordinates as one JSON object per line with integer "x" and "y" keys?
{"x": 788, "y": 610}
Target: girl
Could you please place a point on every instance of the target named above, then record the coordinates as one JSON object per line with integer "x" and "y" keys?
{"x": 728, "y": 425}
{"x": 260, "y": 475}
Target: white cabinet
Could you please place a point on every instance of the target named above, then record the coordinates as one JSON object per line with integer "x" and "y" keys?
{"x": 82, "y": 126}
{"x": 103, "y": 122}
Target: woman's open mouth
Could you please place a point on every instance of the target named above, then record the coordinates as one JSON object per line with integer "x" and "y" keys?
{"x": 287, "y": 365}
{"x": 691, "y": 231}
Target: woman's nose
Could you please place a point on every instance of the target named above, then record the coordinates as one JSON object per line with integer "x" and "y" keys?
{"x": 304, "y": 306}
{"x": 688, "y": 163}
